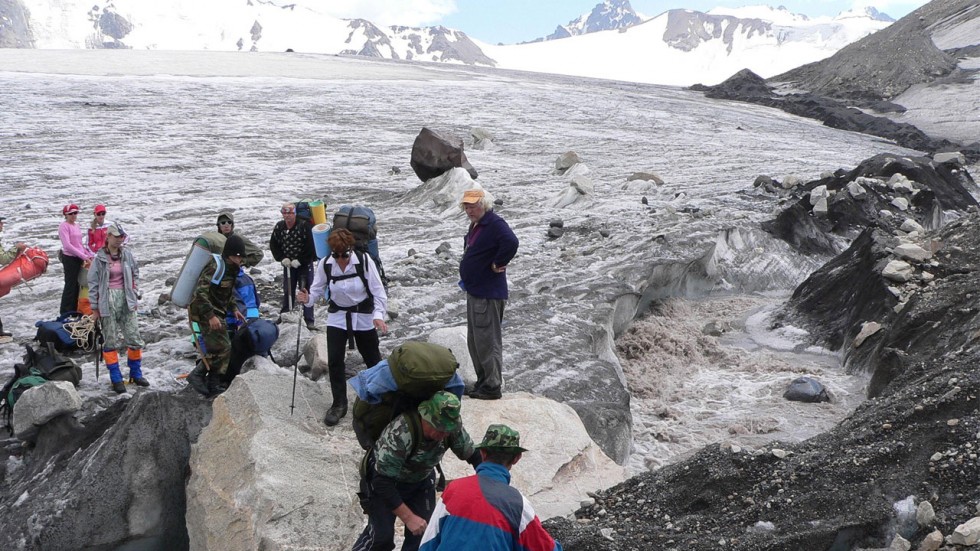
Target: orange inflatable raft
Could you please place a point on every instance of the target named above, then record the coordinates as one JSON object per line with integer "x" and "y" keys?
{"x": 28, "y": 265}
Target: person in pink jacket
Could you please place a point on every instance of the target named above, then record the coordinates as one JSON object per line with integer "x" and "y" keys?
{"x": 74, "y": 257}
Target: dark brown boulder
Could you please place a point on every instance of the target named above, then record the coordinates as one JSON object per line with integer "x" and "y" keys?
{"x": 434, "y": 153}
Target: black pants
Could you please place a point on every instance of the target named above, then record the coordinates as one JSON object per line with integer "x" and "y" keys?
{"x": 304, "y": 272}
{"x": 69, "y": 296}
{"x": 367, "y": 344}
{"x": 379, "y": 534}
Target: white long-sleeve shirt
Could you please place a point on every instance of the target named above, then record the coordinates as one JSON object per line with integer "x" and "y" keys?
{"x": 350, "y": 292}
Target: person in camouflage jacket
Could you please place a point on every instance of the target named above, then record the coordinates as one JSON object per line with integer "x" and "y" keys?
{"x": 401, "y": 478}
{"x": 209, "y": 305}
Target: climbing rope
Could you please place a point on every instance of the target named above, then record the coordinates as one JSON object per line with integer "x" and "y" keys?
{"x": 82, "y": 332}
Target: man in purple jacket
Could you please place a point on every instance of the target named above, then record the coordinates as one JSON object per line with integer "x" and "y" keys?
{"x": 488, "y": 247}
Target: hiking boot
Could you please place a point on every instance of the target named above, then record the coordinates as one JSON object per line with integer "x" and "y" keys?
{"x": 485, "y": 394}
{"x": 334, "y": 414}
{"x": 139, "y": 381}
{"x": 214, "y": 384}
{"x": 197, "y": 379}
{"x": 119, "y": 387}
{"x": 311, "y": 326}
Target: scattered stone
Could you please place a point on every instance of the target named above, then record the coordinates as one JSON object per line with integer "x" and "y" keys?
{"x": 900, "y": 544}
{"x": 967, "y": 533}
{"x": 900, "y": 183}
{"x": 555, "y": 233}
{"x": 605, "y": 233}
{"x": 792, "y": 181}
{"x": 910, "y": 225}
{"x": 443, "y": 247}
{"x": 644, "y": 200}
{"x": 952, "y": 156}
{"x": 412, "y": 252}
{"x": 779, "y": 454}
{"x": 856, "y": 190}
{"x": 556, "y": 223}
{"x": 763, "y": 181}
{"x": 901, "y": 203}
{"x": 912, "y": 252}
{"x": 925, "y": 514}
{"x": 806, "y": 389}
{"x": 932, "y": 542}
{"x": 163, "y": 299}
{"x": 584, "y": 504}
{"x": 898, "y": 270}
{"x": 42, "y": 403}
{"x": 566, "y": 161}
{"x": 646, "y": 176}
{"x": 953, "y": 422}
{"x": 868, "y": 328}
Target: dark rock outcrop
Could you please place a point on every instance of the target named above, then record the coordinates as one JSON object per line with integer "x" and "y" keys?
{"x": 916, "y": 438}
{"x": 118, "y": 478}
{"x": 433, "y": 153}
{"x": 930, "y": 189}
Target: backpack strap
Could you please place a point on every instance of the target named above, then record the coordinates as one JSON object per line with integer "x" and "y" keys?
{"x": 219, "y": 272}
{"x": 366, "y": 306}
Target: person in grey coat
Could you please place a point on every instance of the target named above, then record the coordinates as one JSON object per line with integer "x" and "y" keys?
{"x": 113, "y": 283}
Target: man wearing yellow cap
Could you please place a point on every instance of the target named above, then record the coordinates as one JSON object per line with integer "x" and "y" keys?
{"x": 484, "y": 511}
{"x": 400, "y": 477}
{"x": 488, "y": 247}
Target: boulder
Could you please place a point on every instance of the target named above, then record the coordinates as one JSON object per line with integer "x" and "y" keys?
{"x": 264, "y": 479}
{"x": 433, "y": 153}
{"x": 951, "y": 156}
{"x": 898, "y": 270}
{"x": 114, "y": 480}
{"x": 454, "y": 338}
{"x": 647, "y": 177}
{"x": 42, "y": 403}
{"x": 566, "y": 161}
{"x": 967, "y": 533}
{"x": 910, "y": 251}
{"x": 806, "y": 389}
{"x": 315, "y": 354}
{"x": 482, "y": 138}
{"x": 579, "y": 190}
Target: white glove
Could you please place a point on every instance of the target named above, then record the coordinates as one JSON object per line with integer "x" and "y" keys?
{"x": 286, "y": 263}
{"x": 295, "y": 264}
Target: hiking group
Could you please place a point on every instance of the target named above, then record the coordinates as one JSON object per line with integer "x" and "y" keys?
{"x": 405, "y": 422}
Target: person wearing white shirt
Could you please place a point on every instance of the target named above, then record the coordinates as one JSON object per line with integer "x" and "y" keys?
{"x": 357, "y": 306}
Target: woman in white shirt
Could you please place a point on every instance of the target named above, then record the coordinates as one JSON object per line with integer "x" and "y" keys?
{"x": 357, "y": 306}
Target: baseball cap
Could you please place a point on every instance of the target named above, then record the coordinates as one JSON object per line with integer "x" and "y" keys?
{"x": 99, "y": 209}
{"x": 70, "y": 209}
{"x": 116, "y": 230}
{"x": 502, "y": 438}
{"x": 441, "y": 411}
{"x": 226, "y": 216}
{"x": 472, "y": 196}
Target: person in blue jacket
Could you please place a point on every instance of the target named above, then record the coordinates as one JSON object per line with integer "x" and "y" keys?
{"x": 488, "y": 247}
{"x": 484, "y": 511}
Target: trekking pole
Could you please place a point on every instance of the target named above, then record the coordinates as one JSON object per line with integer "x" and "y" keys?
{"x": 299, "y": 330}
{"x": 98, "y": 347}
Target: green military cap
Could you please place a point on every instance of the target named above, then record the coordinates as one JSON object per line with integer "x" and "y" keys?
{"x": 441, "y": 411}
{"x": 502, "y": 438}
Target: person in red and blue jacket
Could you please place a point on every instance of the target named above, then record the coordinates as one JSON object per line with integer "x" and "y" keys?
{"x": 488, "y": 247}
{"x": 483, "y": 511}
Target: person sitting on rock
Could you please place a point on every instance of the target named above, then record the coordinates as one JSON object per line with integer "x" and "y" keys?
{"x": 213, "y": 298}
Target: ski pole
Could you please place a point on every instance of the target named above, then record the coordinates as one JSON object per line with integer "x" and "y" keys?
{"x": 299, "y": 329}
{"x": 98, "y": 346}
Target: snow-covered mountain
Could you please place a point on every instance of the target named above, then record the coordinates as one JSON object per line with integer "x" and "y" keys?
{"x": 607, "y": 16}
{"x": 679, "y": 47}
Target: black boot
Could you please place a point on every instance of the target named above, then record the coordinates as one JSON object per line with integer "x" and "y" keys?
{"x": 214, "y": 384}
{"x": 335, "y": 413}
{"x": 198, "y": 378}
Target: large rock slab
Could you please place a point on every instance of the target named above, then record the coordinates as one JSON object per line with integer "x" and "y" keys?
{"x": 265, "y": 479}
{"x": 117, "y": 478}
{"x": 40, "y": 404}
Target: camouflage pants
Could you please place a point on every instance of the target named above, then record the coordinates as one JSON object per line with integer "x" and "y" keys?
{"x": 119, "y": 326}
{"x": 216, "y": 347}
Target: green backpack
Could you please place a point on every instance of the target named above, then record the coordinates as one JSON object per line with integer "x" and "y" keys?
{"x": 420, "y": 369}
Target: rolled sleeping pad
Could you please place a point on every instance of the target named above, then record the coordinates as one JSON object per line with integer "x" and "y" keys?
{"x": 320, "y": 234}
{"x": 199, "y": 257}
{"x": 26, "y": 266}
{"x": 319, "y": 211}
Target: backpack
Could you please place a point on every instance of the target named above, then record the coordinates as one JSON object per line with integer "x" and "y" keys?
{"x": 419, "y": 370}
{"x": 304, "y": 212}
{"x": 39, "y": 367}
{"x": 362, "y": 222}
{"x": 59, "y": 333}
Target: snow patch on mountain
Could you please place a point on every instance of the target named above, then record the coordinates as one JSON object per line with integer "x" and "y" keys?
{"x": 607, "y": 16}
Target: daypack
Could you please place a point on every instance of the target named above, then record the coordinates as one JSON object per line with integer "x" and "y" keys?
{"x": 419, "y": 370}
{"x": 58, "y": 332}
{"x": 362, "y": 222}
{"x": 39, "y": 366}
{"x": 256, "y": 338}
{"x": 304, "y": 212}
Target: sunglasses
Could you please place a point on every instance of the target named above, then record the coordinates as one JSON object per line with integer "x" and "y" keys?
{"x": 345, "y": 254}
{"x": 71, "y": 214}
{"x": 288, "y": 211}
{"x": 226, "y": 223}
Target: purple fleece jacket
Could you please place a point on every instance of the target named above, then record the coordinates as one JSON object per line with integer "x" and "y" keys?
{"x": 493, "y": 242}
